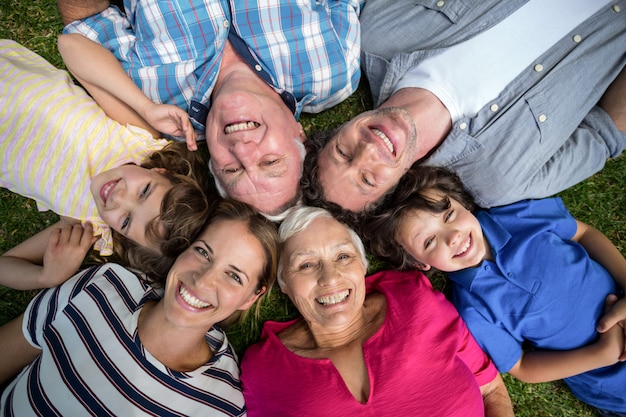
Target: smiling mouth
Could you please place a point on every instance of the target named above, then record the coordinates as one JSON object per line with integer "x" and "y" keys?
{"x": 241, "y": 126}
{"x": 106, "y": 190}
{"x": 190, "y": 299}
{"x": 385, "y": 140}
{"x": 333, "y": 299}
{"x": 465, "y": 247}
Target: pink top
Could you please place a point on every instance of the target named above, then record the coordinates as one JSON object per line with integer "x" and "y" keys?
{"x": 422, "y": 361}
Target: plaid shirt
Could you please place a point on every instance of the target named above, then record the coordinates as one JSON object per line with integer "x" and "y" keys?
{"x": 307, "y": 50}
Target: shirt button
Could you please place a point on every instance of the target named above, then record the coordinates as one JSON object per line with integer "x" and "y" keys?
{"x": 463, "y": 126}
{"x": 538, "y": 67}
{"x": 494, "y": 107}
{"x": 487, "y": 268}
{"x": 258, "y": 67}
{"x": 542, "y": 118}
{"x": 440, "y": 3}
{"x": 617, "y": 9}
{"x": 577, "y": 38}
{"x": 510, "y": 275}
{"x": 226, "y": 23}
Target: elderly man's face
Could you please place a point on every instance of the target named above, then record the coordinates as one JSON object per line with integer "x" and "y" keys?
{"x": 323, "y": 273}
{"x": 256, "y": 151}
{"x": 367, "y": 157}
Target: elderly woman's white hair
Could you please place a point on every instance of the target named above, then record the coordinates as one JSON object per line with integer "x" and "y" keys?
{"x": 299, "y": 218}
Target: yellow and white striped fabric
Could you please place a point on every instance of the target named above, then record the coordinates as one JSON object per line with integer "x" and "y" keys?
{"x": 54, "y": 138}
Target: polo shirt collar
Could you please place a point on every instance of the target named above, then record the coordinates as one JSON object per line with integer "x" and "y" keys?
{"x": 498, "y": 238}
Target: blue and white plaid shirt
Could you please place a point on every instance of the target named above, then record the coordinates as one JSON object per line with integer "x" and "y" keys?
{"x": 307, "y": 50}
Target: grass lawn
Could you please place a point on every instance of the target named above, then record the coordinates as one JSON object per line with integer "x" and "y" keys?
{"x": 599, "y": 201}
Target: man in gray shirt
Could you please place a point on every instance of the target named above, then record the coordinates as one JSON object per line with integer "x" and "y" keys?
{"x": 553, "y": 124}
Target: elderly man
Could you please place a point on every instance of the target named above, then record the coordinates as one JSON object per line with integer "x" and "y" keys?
{"x": 521, "y": 99}
{"x": 245, "y": 70}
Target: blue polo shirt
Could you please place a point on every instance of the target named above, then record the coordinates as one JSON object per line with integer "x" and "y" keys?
{"x": 543, "y": 291}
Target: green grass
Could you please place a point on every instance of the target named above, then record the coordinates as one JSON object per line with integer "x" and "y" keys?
{"x": 599, "y": 201}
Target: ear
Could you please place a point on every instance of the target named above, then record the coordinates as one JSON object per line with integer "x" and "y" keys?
{"x": 246, "y": 305}
{"x": 160, "y": 170}
{"x": 421, "y": 266}
{"x": 302, "y": 134}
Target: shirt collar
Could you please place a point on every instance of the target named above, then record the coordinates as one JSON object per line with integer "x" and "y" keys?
{"x": 498, "y": 238}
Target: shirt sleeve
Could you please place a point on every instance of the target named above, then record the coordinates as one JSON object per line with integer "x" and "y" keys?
{"x": 48, "y": 304}
{"x": 475, "y": 358}
{"x": 503, "y": 349}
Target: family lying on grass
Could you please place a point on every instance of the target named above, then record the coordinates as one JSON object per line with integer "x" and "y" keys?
{"x": 537, "y": 293}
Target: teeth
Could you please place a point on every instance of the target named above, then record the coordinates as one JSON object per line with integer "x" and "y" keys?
{"x": 333, "y": 299}
{"x": 190, "y": 299}
{"x": 384, "y": 138}
{"x": 236, "y": 127}
{"x": 465, "y": 247}
{"x": 107, "y": 190}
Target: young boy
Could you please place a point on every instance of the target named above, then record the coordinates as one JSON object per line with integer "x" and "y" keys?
{"x": 529, "y": 280}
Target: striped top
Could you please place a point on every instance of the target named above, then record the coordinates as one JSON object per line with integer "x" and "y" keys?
{"x": 93, "y": 363}
{"x": 54, "y": 138}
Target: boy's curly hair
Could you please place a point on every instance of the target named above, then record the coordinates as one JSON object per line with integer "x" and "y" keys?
{"x": 379, "y": 230}
{"x": 184, "y": 211}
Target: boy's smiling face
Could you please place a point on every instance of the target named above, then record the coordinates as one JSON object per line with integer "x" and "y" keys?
{"x": 448, "y": 241}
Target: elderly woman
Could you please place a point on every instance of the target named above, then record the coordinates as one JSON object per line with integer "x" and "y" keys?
{"x": 107, "y": 343}
{"x": 385, "y": 345}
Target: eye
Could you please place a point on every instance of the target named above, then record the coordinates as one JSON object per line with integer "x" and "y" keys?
{"x": 269, "y": 163}
{"x": 428, "y": 242}
{"x": 448, "y": 215}
{"x": 344, "y": 257}
{"x": 341, "y": 153}
{"x": 305, "y": 265}
{"x": 231, "y": 170}
{"x": 125, "y": 223}
{"x": 145, "y": 191}
{"x": 201, "y": 251}
{"x": 235, "y": 277}
{"x": 366, "y": 181}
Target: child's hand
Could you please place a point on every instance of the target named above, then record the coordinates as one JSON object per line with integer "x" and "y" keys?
{"x": 66, "y": 250}
{"x": 612, "y": 340}
{"x": 171, "y": 120}
{"x": 615, "y": 315}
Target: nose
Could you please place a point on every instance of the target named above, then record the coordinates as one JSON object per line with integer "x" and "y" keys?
{"x": 206, "y": 278}
{"x": 328, "y": 275}
{"x": 245, "y": 152}
{"x": 453, "y": 237}
{"x": 117, "y": 199}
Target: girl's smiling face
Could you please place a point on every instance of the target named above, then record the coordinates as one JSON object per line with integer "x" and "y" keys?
{"x": 129, "y": 197}
{"x": 216, "y": 276}
{"x": 448, "y": 241}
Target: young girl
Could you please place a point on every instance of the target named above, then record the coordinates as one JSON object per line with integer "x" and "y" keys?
{"x": 59, "y": 148}
{"x": 529, "y": 280}
{"x": 107, "y": 343}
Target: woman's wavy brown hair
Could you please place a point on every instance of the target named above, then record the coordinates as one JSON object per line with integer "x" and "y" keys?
{"x": 379, "y": 230}
{"x": 184, "y": 211}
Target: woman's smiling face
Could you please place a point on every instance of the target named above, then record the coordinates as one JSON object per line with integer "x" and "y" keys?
{"x": 323, "y": 273}
{"x": 216, "y": 276}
